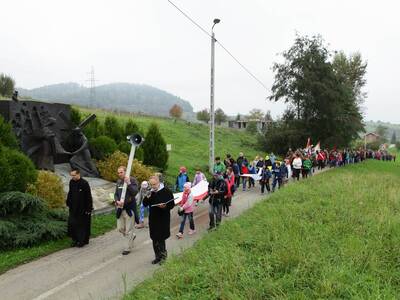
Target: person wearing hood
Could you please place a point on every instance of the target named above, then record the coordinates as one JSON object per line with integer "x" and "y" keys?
{"x": 186, "y": 207}
{"x": 198, "y": 177}
{"x": 181, "y": 179}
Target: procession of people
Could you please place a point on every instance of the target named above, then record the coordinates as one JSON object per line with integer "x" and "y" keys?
{"x": 155, "y": 200}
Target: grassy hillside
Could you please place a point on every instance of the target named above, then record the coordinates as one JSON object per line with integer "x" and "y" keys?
{"x": 335, "y": 236}
{"x": 190, "y": 141}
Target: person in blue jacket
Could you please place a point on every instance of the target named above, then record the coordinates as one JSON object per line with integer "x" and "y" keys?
{"x": 181, "y": 179}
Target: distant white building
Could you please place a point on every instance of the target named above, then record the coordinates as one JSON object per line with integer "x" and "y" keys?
{"x": 244, "y": 121}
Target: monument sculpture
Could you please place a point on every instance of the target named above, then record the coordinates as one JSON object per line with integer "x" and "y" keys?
{"x": 47, "y": 136}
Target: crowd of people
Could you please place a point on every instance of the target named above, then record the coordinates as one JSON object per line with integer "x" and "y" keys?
{"x": 155, "y": 200}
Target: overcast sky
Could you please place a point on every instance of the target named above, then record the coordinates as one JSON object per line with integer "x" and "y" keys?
{"x": 150, "y": 42}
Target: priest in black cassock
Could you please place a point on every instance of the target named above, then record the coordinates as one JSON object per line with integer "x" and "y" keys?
{"x": 80, "y": 204}
{"x": 161, "y": 201}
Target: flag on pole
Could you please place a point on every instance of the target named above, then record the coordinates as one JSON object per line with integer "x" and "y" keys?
{"x": 318, "y": 147}
{"x": 308, "y": 143}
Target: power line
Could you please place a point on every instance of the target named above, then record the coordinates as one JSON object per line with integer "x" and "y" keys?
{"x": 222, "y": 46}
{"x": 190, "y": 19}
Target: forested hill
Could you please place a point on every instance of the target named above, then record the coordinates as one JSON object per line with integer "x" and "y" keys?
{"x": 117, "y": 96}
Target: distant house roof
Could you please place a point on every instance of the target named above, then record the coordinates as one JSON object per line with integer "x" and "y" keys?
{"x": 372, "y": 133}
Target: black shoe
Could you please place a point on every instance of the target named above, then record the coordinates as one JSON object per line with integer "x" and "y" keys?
{"x": 162, "y": 260}
{"x": 156, "y": 261}
{"x": 74, "y": 243}
{"x": 126, "y": 252}
{"x": 80, "y": 245}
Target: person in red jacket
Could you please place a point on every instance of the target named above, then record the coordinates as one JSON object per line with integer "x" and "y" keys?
{"x": 230, "y": 185}
{"x": 244, "y": 170}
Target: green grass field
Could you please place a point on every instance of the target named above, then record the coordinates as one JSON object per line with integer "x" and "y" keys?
{"x": 190, "y": 141}
{"x": 12, "y": 258}
{"x": 336, "y": 235}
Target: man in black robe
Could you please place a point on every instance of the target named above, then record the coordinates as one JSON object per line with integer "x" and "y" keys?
{"x": 80, "y": 204}
{"x": 161, "y": 201}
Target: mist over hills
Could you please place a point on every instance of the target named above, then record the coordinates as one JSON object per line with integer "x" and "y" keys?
{"x": 129, "y": 97}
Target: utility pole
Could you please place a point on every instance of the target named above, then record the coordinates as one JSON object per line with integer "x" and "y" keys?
{"x": 92, "y": 95}
{"x": 212, "y": 113}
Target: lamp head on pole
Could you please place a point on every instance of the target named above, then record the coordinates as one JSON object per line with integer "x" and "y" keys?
{"x": 216, "y": 21}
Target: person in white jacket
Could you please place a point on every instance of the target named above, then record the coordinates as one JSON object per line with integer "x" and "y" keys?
{"x": 297, "y": 164}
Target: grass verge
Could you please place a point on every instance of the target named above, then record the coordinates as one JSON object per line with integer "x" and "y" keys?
{"x": 336, "y": 235}
{"x": 12, "y": 258}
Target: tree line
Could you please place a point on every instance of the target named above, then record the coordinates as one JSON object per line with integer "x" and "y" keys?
{"x": 323, "y": 90}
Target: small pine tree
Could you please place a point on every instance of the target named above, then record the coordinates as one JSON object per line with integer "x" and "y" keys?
{"x": 113, "y": 129}
{"x": 94, "y": 129}
{"x": 75, "y": 116}
{"x": 155, "y": 148}
{"x": 131, "y": 127}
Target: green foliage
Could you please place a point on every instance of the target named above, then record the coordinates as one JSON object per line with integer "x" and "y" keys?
{"x": 203, "y": 115}
{"x": 76, "y": 116}
{"x": 48, "y": 187}
{"x": 14, "y": 257}
{"x": 188, "y": 142}
{"x": 125, "y": 147}
{"x": 220, "y": 116}
{"x": 102, "y": 146}
{"x": 351, "y": 71}
{"x": 256, "y": 114}
{"x": 382, "y": 130}
{"x": 16, "y": 169}
{"x": 155, "y": 148}
{"x": 280, "y": 136}
{"x": 7, "y": 85}
{"x": 108, "y": 167}
{"x": 26, "y": 221}
{"x": 324, "y": 103}
{"x": 131, "y": 127}
{"x": 94, "y": 129}
{"x": 251, "y": 127}
{"x": 17, "y": 203}
{"x": 113, "y": 129}
{"x": 393, "y": 138}
{"x": 7, "y": 136}
{"x": 333, "y": 236}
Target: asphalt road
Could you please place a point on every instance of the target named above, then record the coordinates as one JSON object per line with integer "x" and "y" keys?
{"x": 98, "y": 270}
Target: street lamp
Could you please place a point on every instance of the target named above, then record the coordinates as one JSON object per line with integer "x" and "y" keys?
{"x": 212, "y": 114}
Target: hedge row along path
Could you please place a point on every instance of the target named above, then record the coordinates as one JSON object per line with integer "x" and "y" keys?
{"x": 99, "y": 271}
